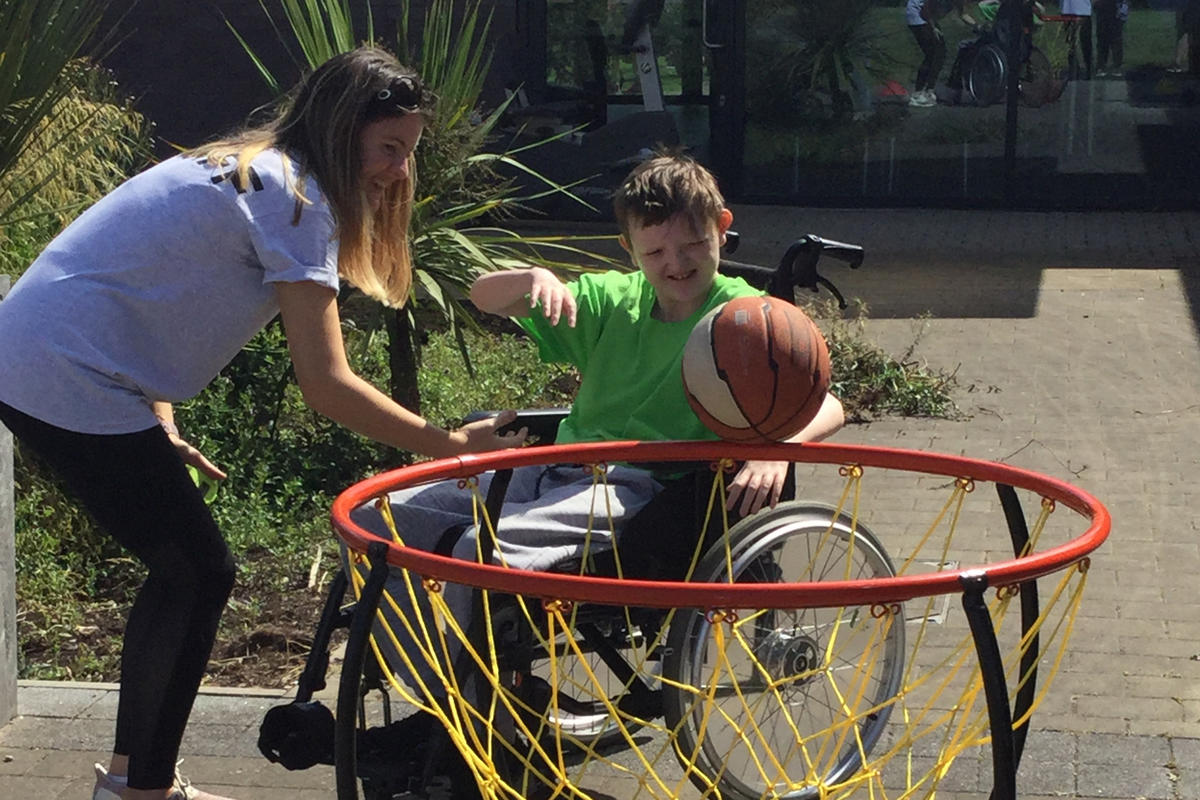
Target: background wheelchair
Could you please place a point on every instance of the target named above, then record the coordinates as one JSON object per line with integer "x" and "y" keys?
{"x": 982, "y": 71}
{"x": 629, "y": 649}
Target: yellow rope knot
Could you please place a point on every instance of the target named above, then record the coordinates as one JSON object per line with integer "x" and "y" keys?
{"x": 561, "y": 606}
{"x": 851, "y": 471}
{"x": 716, "y": 616}
{"x": 469, "y": 482}
{"x": 723, "y": 465}
{"x": 432, "y": 585}
{"x": 1085, "y": 564}
{"x": 881, "y": 610}
{"x": 966, "y": 484}
{"x": 1005, "y": 592}
{"x": 1048, "y": 503}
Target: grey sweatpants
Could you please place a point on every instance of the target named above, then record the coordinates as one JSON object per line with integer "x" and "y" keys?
{"x": 550, "y": 513}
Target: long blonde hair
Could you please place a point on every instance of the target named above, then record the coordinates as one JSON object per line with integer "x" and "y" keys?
{"x": 319, "y": 124}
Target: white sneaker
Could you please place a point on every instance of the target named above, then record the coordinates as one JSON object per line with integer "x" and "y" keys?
{"x": 108, "y": 789}
{"x": 925, "y": 98}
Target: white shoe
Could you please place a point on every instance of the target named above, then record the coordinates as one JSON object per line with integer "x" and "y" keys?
{"x": 108, "y": 789}
{"x": 925, "y": 98}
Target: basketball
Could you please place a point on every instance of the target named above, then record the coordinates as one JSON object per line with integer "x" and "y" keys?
{"x": 756, "y": 369}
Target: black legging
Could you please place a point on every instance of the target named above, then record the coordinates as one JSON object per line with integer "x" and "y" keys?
{"x": 1079, "y": 32}
{"x": 137, "y": 489}
{"x": 1110, "y": 41}
{"x": 930, "y": 40}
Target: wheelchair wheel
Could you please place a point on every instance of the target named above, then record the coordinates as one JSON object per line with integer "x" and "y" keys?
{"x": 1038, "y": 83}
{"x": 986, "y": 75}
{"x": 613, "y": 669}
{"x": 789, "y": 681}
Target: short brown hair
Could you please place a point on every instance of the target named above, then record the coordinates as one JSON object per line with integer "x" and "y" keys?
{"x": 663, "y": 186}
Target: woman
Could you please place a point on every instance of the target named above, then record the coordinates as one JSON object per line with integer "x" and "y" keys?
{"x": 922, "y": 17}
{"x": 1079, "y": 37}
{"x": 148, "y": 294}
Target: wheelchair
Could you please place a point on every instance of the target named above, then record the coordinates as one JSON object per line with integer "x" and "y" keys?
{"x": 642, "y": 658}
{"x": 982, "y": 72}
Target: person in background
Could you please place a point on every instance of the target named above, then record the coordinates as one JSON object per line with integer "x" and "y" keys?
{"x": 1110, "y": 35}
{"x": 922, "y": 17}
{"x": 1079, "y": 37}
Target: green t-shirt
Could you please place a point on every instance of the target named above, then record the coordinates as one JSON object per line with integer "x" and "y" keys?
{"x": 629, "y": 361}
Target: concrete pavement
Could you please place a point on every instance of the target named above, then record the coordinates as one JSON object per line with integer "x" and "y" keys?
{"x": 1073, "y": 338}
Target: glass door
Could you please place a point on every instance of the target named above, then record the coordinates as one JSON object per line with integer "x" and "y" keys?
{"x": 635, "y": 75}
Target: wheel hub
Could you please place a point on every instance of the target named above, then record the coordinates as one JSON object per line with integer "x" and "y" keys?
{"x": 788, "y": 653}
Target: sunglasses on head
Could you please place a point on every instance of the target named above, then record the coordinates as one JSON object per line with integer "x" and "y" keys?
{"x": 404, "y": 94}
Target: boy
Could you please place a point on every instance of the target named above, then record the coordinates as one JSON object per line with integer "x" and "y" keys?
{"x": 626, "y": 334}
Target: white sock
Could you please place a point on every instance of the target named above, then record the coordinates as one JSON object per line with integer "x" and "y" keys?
{"x": 119, "y": 780}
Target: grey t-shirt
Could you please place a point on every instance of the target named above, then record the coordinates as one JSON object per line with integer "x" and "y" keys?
{"x": 154, "y": 289}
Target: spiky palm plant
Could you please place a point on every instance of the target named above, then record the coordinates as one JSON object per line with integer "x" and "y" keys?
{"x": 38, "y": 40}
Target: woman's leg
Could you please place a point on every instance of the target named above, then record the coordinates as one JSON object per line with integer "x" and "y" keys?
{"x": 1106, "y": 21}
{"x": 929, "y": 39}
{"x": 1085, "y": 37}
{"x": 137, "y": 489}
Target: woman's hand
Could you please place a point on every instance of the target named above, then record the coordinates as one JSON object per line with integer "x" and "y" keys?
{"x": 483, "y": 435}
{"x": 195, "y": 458}
{"x": 756, "y": 483}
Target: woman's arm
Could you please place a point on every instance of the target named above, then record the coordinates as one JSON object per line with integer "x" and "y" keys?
{"x": 189, "y": 454}
{"x": 515, "y": 292}
{"x": 331, "y": 388}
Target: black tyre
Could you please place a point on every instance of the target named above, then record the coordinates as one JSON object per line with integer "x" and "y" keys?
{"x": 787, "y": 681}
{"x": 1039, "y": 85}
{"x": 986, "y": 75}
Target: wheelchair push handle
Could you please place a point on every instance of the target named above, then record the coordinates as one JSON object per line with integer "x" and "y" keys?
{"x": 799, "y": 264}
{"x": 798, "y": 267}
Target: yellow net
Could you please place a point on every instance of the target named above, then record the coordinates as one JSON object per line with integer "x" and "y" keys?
{"x": 544, "y": 697}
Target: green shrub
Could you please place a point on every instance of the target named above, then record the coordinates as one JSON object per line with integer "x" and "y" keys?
{"x": 869, "y": 381}
{"x": 89, "y": 142}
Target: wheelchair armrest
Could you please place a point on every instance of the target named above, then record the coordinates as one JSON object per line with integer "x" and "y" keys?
{"x": 541, "y": 422}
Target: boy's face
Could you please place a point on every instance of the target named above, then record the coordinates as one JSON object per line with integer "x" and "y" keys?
{"x": 679, "y": 260}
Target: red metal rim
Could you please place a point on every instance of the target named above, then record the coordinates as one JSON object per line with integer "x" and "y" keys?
{"x": 716, "y": 595}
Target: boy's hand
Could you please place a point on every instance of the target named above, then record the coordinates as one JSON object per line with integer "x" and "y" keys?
{"x": 756, "y": 483}
{"x": 482, "y": 435}
{"x": 556, "y": 299}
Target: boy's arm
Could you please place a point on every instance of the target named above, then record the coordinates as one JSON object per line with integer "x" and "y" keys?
{"x": 761, "y": 482}
{"x": 515, "y": 292}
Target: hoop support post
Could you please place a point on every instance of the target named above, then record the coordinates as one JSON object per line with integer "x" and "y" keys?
{"x": 1030, "y": 610}
{"x": 312, "y": 679}
{"x": 991, "y": 672}
{"x": 344, "y": 742}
